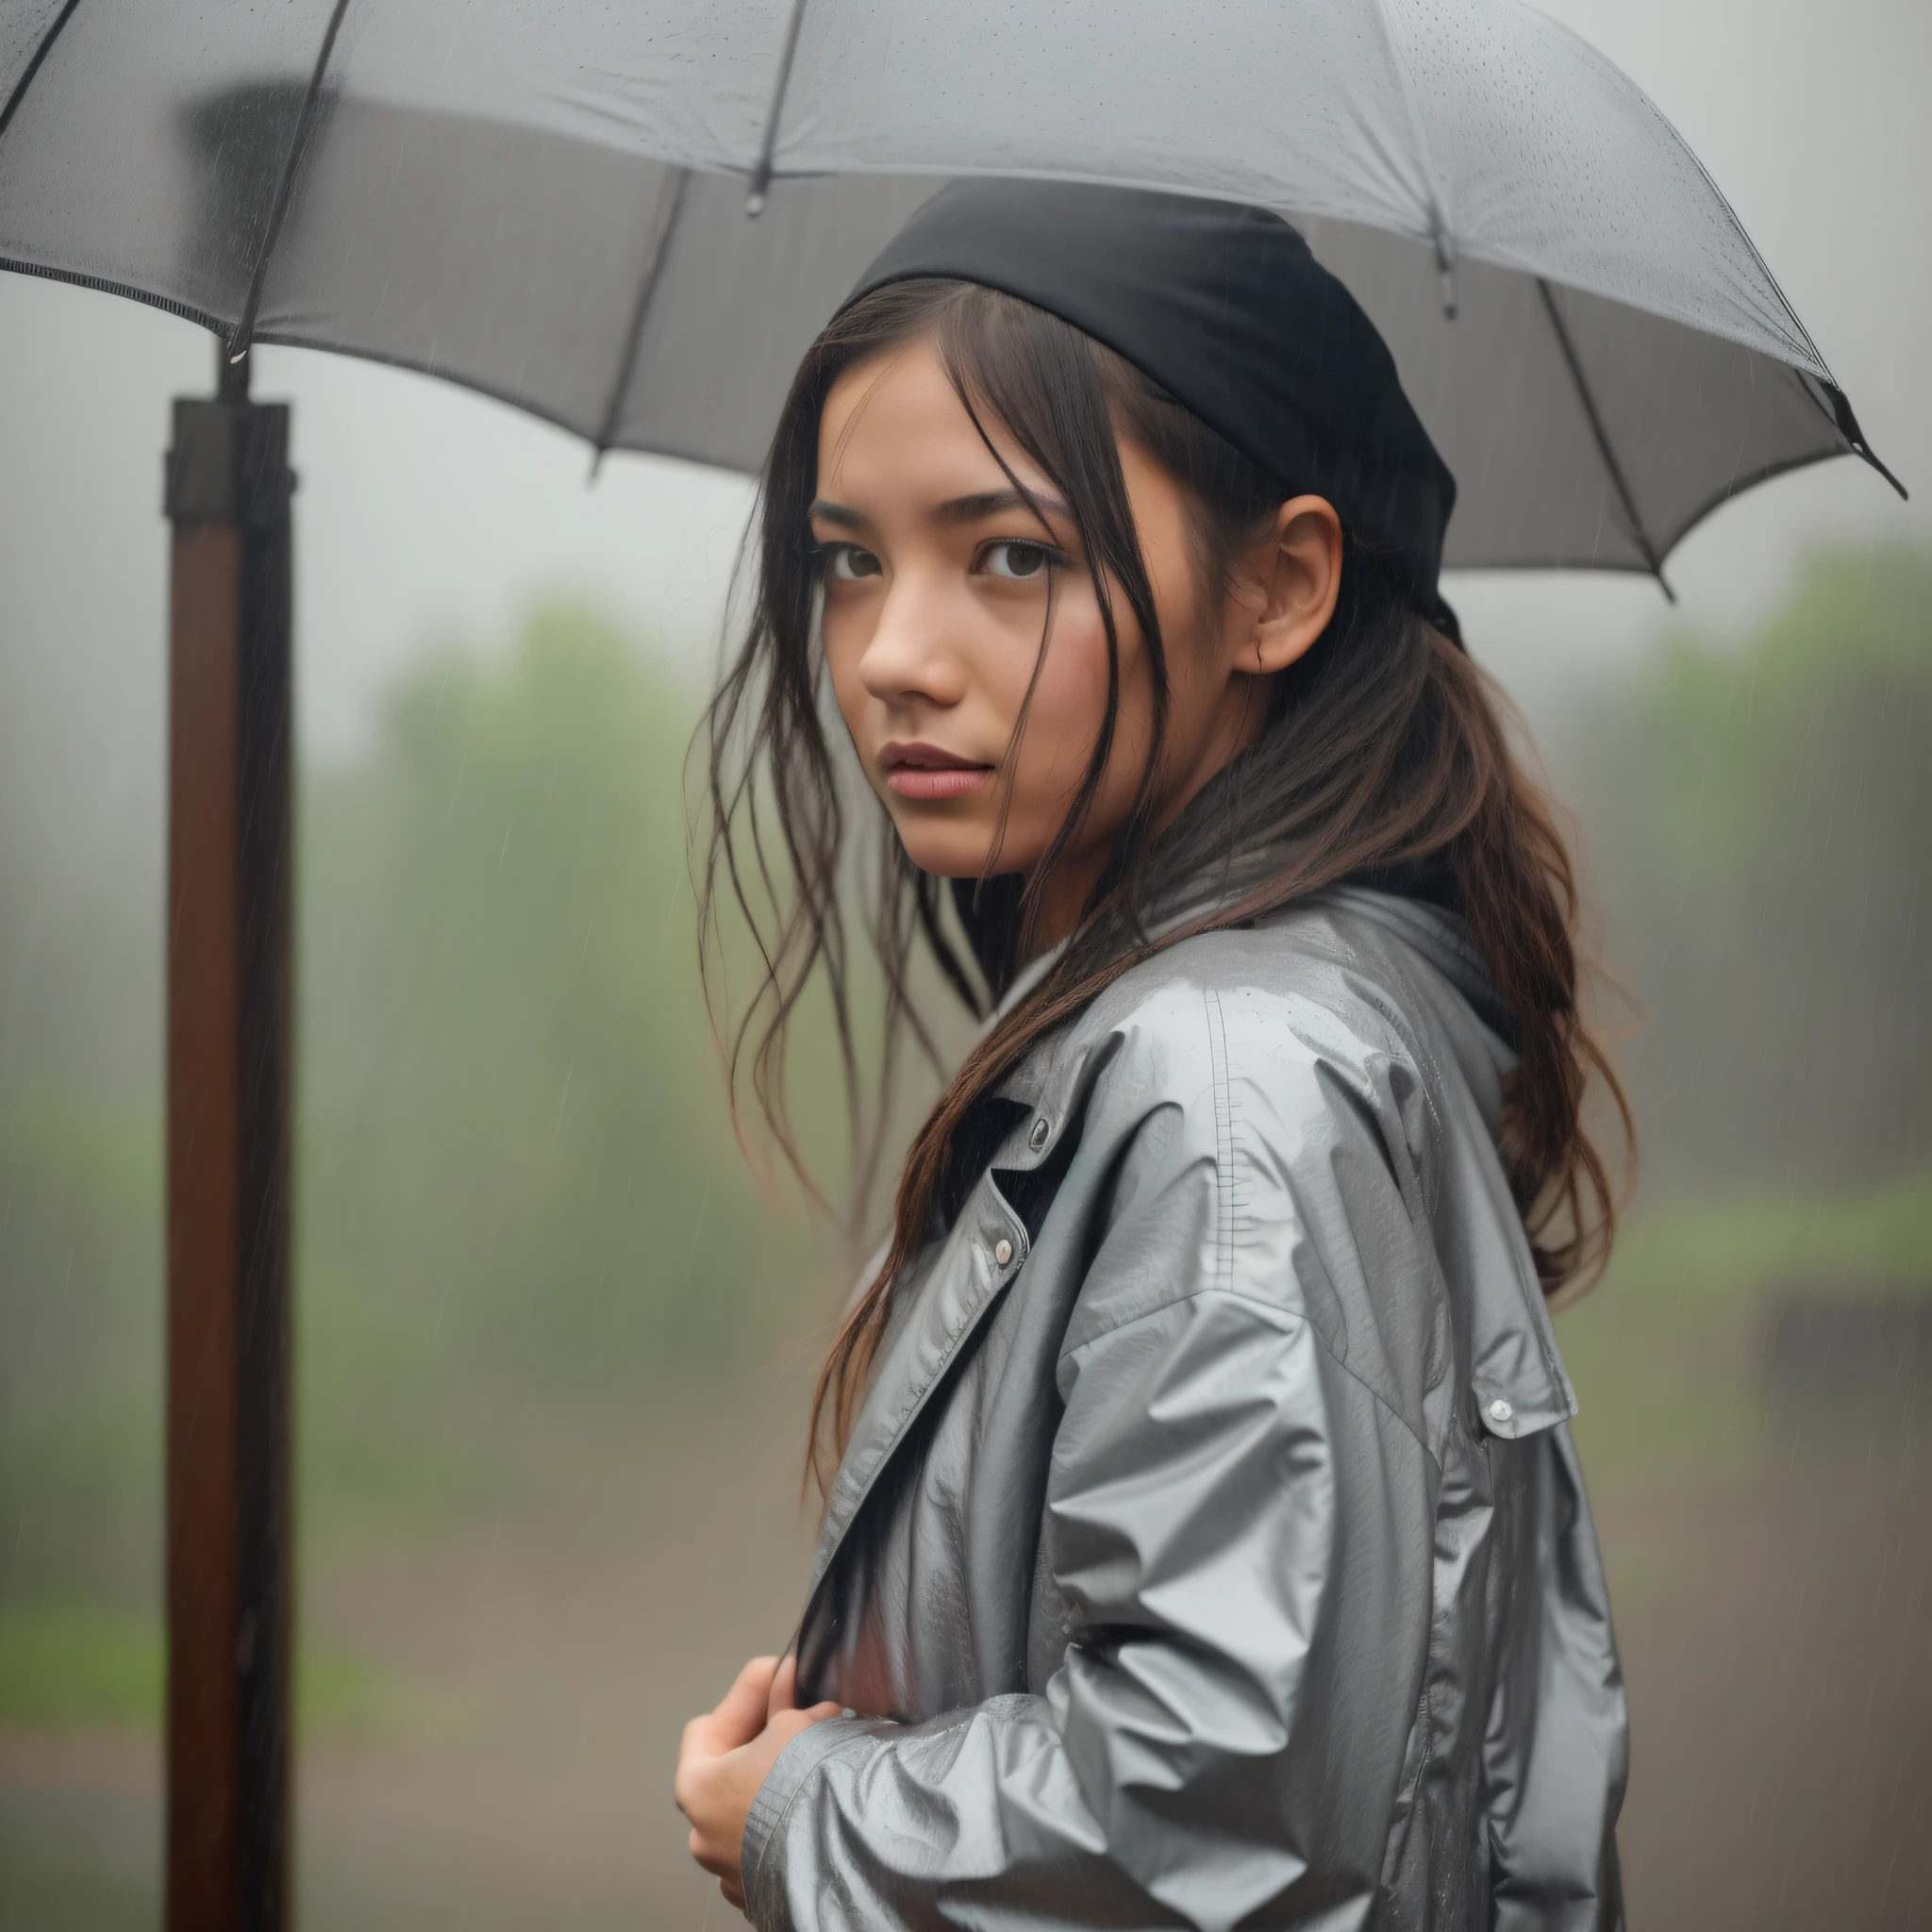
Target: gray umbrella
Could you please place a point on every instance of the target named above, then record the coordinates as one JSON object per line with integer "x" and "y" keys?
{"x": 549, "y": 203}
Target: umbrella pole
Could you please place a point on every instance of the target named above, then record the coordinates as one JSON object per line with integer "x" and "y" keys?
{"x": 229, "y": 1530}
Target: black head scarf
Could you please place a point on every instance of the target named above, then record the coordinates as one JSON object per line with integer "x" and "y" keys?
{"x": 1224, "y": 306}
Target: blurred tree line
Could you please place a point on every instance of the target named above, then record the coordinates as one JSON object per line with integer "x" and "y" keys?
{"x": 518, "y": 1189}
{"x": 519, "y": 1194}
{"x": 518, "y": 1181}
{"x": 1758, "y": 817}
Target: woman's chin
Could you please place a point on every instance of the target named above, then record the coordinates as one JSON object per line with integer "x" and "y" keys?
{"x": 949, "y": 863}
{"x": 953, "y": 852}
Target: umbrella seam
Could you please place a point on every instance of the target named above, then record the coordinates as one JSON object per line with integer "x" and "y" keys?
{"x": 1750, "y": 480}
{"x": 1738, "y": 486}
{"x": 31, "y": 71}
{"x": 768, "y": 145}
{"x": 1441, "y": 234}
{"x": 1602, "y": 434}
{"x": 106, "y": 285}
{"x": 1600, "y": 59}
{"x": 647, "y": 292}
{"x": 305, "y": 119}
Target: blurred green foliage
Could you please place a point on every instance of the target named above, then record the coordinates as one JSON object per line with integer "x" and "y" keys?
{"x": 80, "y": 1324}
{"x": 67, "y": 1665}
{"x": 518, "y": 1199}
{"x": 1667, "y": 1353}
{"x": 518, "y": 1179}
{"x": 1759, "y": 813}
{"x": 506, "y": 1071}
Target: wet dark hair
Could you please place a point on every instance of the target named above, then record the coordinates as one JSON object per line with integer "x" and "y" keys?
{"x": 1384, "y": 756}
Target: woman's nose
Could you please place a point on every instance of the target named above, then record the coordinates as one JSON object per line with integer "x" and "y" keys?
{"x": 912, "y": 653}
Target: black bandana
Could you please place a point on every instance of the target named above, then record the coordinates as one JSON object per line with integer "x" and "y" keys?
{"x": 1224, "y": 306}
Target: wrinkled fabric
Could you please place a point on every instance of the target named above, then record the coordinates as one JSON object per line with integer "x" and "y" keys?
{"x": 1210, "y": 1549}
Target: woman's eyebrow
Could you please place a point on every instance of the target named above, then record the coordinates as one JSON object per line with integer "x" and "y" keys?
{"x": 824, "y": 510}
{"x": 993, "y": 502}
{"x": 958, "y": 510}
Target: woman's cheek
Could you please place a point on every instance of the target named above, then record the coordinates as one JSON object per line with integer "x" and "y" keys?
{"x": 1063, "y": 721}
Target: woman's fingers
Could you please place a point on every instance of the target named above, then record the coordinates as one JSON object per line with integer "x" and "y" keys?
{"x": 711, "y": 1855}
{"x": 725, "y": 1756}
{"x": 740, "y": 1712}
{"x": 784, "y": 1692}
{"x": 710, "y": 1843}
{"x": 693, "y": 1758}
{"x": 750, "y": 1688}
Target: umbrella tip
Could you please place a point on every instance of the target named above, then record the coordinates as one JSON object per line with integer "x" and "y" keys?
{"x": 1865, "y": 450}
{"x": 755, "y": 204}
{"x": 1854, "y": 437}
{"x": 231, "y": 372}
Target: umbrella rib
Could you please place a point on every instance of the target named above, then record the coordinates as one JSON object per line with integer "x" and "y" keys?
{"x": 33, "y": 66}
{"x": 768, "y": 148}
{"x": 1594, "y": 416}
{"x": 647, "y": 293}
{"x": 1441, "y": 237}
{"x": 244, "y": 330}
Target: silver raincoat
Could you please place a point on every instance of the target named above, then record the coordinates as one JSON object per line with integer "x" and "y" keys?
{"x": 1210, "y": 1549}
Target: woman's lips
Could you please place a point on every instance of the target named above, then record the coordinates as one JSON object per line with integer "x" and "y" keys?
{"x": 920, "y": 781}
{"x": 927, "y": 771}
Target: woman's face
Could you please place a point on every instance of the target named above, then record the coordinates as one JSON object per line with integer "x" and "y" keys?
{"x": 936, "y": 585}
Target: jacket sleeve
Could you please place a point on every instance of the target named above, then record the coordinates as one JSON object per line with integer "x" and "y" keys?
{"x": 1240, "y": 1527}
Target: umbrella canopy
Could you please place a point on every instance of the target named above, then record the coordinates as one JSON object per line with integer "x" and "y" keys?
{"x": 550, "y": 204}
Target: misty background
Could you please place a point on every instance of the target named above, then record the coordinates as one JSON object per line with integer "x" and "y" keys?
{"x": 555, "y": 1341}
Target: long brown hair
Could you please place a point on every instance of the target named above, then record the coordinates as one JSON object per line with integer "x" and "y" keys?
{"x": 1384, "y": 756}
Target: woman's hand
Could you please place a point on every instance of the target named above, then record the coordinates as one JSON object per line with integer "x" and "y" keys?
{"x": 725, "y": 1756}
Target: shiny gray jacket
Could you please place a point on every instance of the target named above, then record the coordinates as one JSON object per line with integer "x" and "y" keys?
{"x": 1210, "y": 1549}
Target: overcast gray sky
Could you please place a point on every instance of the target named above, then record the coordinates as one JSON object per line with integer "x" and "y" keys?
{"x": 423, "y": 509}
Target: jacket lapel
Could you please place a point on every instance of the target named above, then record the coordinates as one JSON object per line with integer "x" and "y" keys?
{"x": 954, "y": 1285}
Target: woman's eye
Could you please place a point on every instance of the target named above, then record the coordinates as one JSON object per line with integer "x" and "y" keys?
{"x": 848, "y": 562}
{"x": 1016, "y": 559}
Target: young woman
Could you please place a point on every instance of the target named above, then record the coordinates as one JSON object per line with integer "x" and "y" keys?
{"x": 1205, "y": 1546}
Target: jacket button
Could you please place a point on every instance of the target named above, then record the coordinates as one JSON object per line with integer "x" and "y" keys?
{"x": 1037, "y": 1140}
{"x": 1500, "y": 1410}
{"x": 1003, "y": 1252}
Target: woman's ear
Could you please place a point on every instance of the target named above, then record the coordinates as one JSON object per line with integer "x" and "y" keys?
{"x": 1296, "y": 570}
